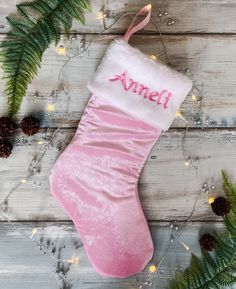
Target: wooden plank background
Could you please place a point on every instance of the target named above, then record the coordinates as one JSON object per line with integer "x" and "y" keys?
{"x": 201, "y": 43}
{"x": 209, "y": 149}
{"x": 206, "y": 58}
{"x": 38, "y": 270}
{"x": 195, "y": 16}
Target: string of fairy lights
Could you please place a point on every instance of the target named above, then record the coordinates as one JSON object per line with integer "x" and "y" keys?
{"x": 35, "y": 166}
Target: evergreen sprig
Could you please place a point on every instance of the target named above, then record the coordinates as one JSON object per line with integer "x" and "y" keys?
{"x": 215, "y": 270}
{"x": 35, "y": 26}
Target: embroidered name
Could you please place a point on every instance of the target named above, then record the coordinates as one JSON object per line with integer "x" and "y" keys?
{"x": 160, "y": 98}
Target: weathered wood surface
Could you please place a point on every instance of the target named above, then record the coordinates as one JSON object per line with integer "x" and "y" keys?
{"x": 168, "y": 188}
{"x": 195, "y": 16}
{"x": 210, "y": 59}
{"x": 202, "y": 40}
{"x": 23, "y": 265}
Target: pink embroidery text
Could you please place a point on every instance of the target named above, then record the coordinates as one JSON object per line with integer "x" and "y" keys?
{"x": 160, "y": 98}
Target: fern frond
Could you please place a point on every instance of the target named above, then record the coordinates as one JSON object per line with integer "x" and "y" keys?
{"x": 230, "y": 222}
{"x": 230, "y": 190}
{"x": 211, "y": 271}
{"x": 215, "y": 270}
{"x": 36, "y": 25}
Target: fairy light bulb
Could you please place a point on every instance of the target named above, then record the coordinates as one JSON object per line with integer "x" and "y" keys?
{"x": 153, "y": 269}
{"x": 184, "y": 245}
{"x": 178, "y": 114}
{"x": 149, "y": 7}
{"x": 194, "y": 98}
{"x": 154, "y": 57}
{"x": 40, "y": 142}
{"x": 187, "y": 163}
{"x": 61, "y": 50}
{"x": 211, "y": 200}
{"x": 74, "y": 260}
{"x": 23, "y": 181}
{"x": 34, "y": 231}
{"x": 100, "y": 15}
{"x": 50, "y": 107}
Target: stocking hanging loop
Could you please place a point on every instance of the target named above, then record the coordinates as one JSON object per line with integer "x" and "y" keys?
{"x": 135, "y": 28}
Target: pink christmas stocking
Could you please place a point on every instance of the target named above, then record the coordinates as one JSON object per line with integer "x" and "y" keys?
{"x": 134, "y": 99}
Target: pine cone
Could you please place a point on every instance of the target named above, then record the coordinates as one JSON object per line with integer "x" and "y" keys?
{"x": 30, "y": 125}
{"x": 7, "y": 126}
{"x": 208, "y": 242}
{"x": 5, "y": 148}
{"x": 221, "y": 206}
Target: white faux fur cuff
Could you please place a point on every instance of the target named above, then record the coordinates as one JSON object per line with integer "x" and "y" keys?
{"x": 140, "y": 86}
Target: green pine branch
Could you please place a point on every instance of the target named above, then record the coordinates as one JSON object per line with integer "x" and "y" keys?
{"x": 230, "y": 191}
{"x": 35, "y": 26}
{"x": 215, "y": 270}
